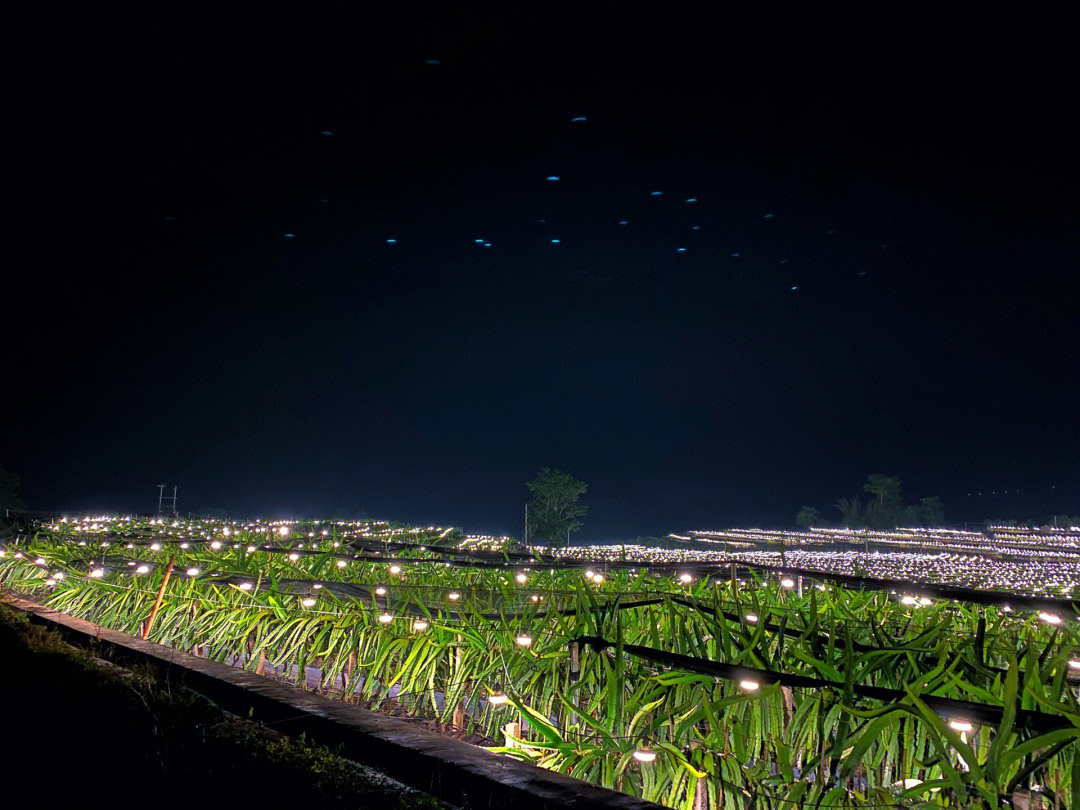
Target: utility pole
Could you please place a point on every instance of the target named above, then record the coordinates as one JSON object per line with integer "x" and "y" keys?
{"x": 166, "y": 501}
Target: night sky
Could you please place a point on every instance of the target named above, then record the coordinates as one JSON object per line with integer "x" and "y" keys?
{"x": 245, "y": 260}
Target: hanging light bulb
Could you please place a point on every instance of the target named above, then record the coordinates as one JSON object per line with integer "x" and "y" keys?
{"x": 521, "y": 578}
{"x": 598, "y": 578}
{"x": 644, "y": 754}
{"x": 251, "y": 549}
{"x": 294, "y": 556}
{"x": 497, "y": 699}
{"x": 589, "y": 574}
{"x": 751, "y": 617}
{"x": 215, "y": 545}
{"x": 1074, "y": 663}
{"x": 960, "y": 725}
{"x": 1050, "y": 618}
{"x": 284, "y": 531}
{"x": 395, "y": 569}
{"x": 309, "y": 602}
{"x": 142, "y": 569}
{"x": 453, "y": 596}
{"x": 420, "y": 625}
{"x": 245, "y": 586}
{"x": 380, "y": 591}
{"x": 193, "y": 572}
{"x": 97, "y": 573}
{"x": 524, "y": 640}
{"x": 341, "y": 563}
{"x": 686, "y": 579}
{"x": 787, "y": 582}
{"x": 155, "y": 546}
{"x": 386, "y": 618}
{"x": 749, "y": 685}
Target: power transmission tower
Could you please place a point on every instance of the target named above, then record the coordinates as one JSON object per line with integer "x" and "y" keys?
{"x": 166, "y": 502}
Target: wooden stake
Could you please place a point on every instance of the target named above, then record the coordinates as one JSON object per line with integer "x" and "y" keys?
{"x": 160, "y": 595}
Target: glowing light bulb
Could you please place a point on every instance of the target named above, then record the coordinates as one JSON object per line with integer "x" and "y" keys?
{"x": 589, "y": 574}
{"x": 497, "y": 699}
{"x": 294, "y": 556}
{"x": 643, "y": 754}
{"x": 155, "y": 546}
{"x": 245, "y": 586}
{"x": 924, "y": 601}
{"x": 453, "y": 596}
{"x": 909, "y": 600}
{"x": 749, "y": 686}
{"x": 40, "y": 561}
{"x": 521, "y": 578}
{"x": 386, "y": 618}
{"x": 535, "y": 598}
{"x": 395, "y": 569}
{"x": 215, "y": 545}
{"x": 1007, "y": 609}
{"x": 787, "y": 583}
{"x": 1074, "y": 663}
{"x": 751, "y": 617}
{"x": 686, "y": 579}
{"x": 143, "y": 569}
{"x": 251, "y": 549}
{"x": 1050, "y": 618}
{"x": 420, "y": 625}
{"x": 380, "y": 591}
{"x": 309, "y": 602}
{"x": 284, "y": 531}
{"x": 193, "y": 572}
{"x": 523, "y": 640}
{"x": 97, "y": 573}
{"x": 341, "y": 563}
{"x": 598, "y": 578}
{"x": 60, "y": 575}
{"x": 960, "y": 725}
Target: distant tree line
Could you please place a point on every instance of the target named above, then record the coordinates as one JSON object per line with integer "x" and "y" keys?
{"x": 884, "y": 510}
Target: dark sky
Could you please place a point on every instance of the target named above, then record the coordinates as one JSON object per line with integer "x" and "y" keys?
{"x": 882, "y": 278}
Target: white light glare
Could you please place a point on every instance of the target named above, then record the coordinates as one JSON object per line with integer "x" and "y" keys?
{"x": 643, "y": 754}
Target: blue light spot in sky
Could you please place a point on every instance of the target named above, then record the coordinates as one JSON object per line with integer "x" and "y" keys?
{"x": 580, "y": 118}
{"x": 391, "y": 241}
{"x": 289, "y": 235}
{"x": 680, "y": 250}
{"x": 479, "y": 241}
{"x": 327, "y": 132}
{"x": 734, "y": 255}
{"x": 657, "y": 194}
{"x": 487, "y": 244}
{"x": 433, "y": 62}
{"x": 692, "y": 200}
{"x": 554, "y": 241}
{"x": 794, "y": 288}
{"x": 768, "y": 216}
{"x": 695, "y": 227}
{"x": 624, "y": 223}
{"x": 553, "y": 178}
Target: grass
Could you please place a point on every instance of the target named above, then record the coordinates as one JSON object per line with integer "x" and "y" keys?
{"x": 715, "y": 743}
{"x": 92, "y": 729}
